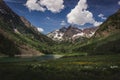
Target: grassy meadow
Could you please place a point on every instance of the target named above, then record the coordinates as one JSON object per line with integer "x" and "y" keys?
{"x": 102, "y": 67}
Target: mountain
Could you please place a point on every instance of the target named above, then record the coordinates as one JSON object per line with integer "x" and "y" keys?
{"x": 71, "y": 33}
{"x": 18, "y": 36}
{"x": 106, "y": 39}
{"x": 57, "y": 35}
{"x": 110, "y": 26}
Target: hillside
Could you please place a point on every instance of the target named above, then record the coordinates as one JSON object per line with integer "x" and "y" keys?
{"x": 106, "y": 40}
{"x": 19, "y": 36}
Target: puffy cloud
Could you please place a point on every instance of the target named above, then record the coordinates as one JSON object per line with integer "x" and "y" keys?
{"x": 97, "y": 23}
{"x": 63, "y": 23}
{"x": 52, "y": 5}
{"x": 101, "y": 16}
{"x": 118, "y": 2}
{"x": 48, "y": 18}
{"x": 34, "y": 5}
{"x": 80, "y": 15}
{"x": 40, "y": 29}
{"x": 42, "y": 5}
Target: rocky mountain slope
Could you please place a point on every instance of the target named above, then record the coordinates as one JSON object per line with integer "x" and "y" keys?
{"x": 19, "y": 36}
{"x": 71, "y": 33}
{"x": 110, "y": 26}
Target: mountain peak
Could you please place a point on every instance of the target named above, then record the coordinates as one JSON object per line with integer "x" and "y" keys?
{"x": 63, "y": 29}
{"x": 72, "y": 27}
{"x": 71, "y": 33}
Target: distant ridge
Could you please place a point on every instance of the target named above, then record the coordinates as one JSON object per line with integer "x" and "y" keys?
{"x": 71, "y": 33}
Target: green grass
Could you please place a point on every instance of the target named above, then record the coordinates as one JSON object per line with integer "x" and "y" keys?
{"x": 98, "y": 46}
{"x": 102, "y": 67}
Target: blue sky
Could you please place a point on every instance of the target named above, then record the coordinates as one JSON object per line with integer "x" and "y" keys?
{"x": 53, "y": 15}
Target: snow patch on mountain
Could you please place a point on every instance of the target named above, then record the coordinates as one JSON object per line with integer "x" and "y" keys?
{"x": 56, "y": 35}
{"x": 71, "y": 33}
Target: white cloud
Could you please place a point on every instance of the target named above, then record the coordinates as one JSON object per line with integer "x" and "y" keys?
{"x": 48, "y": 18}
{"x": 118, "y": 2}
{"x": 97, "y": 23}
{"x": 40, "y": 29}
{"x": 101, "y": 16}
{"x": 52, "y": 5}
{"x": 63, "y": 23}
{"x": 80, "y": 15}
{"x": 42, "y": 5}
{"x": 34, "y": 5}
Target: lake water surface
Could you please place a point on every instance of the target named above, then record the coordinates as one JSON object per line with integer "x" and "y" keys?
{"x": 30, "y": 58}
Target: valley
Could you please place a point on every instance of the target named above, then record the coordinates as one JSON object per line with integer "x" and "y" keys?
{"x": 67, "y": 53}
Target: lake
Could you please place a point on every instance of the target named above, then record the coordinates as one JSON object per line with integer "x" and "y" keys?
{"x": 30, "y": 58}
